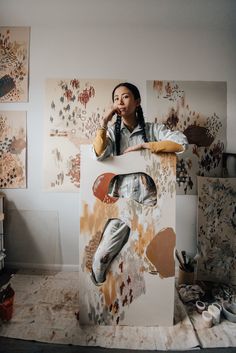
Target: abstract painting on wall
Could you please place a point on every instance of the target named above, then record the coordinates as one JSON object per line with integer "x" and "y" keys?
{"x": 198, "y": 109}
{"x": 73, "y": 111}
{"x": 13, "y": 149}
{"x": 14, "y": 64}
{"x": 217, "y": 230}
{"x": 126, "y": 245}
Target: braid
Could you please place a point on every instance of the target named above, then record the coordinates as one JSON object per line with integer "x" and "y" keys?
{"x": 141, "y": 121}
{"x": 117, "y": 134}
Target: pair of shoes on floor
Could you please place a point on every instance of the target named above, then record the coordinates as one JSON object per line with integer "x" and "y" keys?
{"x": 115, "y": 235}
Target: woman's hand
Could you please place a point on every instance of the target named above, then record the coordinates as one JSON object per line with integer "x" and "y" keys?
{"x": 139, "y": 147}
{"x": 109, "y": 115}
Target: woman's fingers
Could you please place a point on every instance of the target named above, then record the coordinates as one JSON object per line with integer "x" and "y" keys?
{"x": 137, "y": 147}
{"x": 134, "y": 148}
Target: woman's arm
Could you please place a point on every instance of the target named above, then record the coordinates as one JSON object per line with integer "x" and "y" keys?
{"x": 163, "y": 140}
{"x": 157, "y": 147}
{"x": 100, "y": 141}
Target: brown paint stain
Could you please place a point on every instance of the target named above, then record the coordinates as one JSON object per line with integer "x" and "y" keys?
{"x": 125, "y": 301}
{"x": 109, "y": 289}
{"x": 121, "y": 266}
{"x": 199, "y": 135}
{"x": 90, "y": 250}
{"x": 116, "y": 307}
{"x": 158, "y": 86}
{"x": 17, "y": 145}
{"x": 160, "y": 252}
{"x": 168, "y": 161}
{"x": 122, "y": 286}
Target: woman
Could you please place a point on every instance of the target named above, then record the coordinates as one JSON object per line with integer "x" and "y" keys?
{"x": 130, "y": 132}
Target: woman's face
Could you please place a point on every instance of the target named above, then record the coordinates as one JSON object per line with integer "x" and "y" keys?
{"x": 124, "y": 102}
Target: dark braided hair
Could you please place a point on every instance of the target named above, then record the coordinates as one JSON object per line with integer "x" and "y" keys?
{"x": 139, "y": 112}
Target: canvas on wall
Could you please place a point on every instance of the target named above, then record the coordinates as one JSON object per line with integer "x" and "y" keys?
{"x": 13, "y": 144}
{"x": 14, "y": 64}
{"x": 73, "y": 112}
{"x": 138, "y": 285}
{"x": 216, "y": 230}
{"x": 198, "y": 109}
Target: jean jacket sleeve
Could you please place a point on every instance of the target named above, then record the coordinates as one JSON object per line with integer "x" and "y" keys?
{"x": 161, "y": 133}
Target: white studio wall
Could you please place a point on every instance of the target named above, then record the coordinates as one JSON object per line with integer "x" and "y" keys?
{"x": 137, "y": 40}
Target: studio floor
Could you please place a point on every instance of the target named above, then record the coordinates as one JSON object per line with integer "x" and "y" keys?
{"x": 46, "y": 310}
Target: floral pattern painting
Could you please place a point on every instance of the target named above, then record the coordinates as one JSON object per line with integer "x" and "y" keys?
{"x": 14, "y": 58}
{"x": 139, "y": 286}
{"x": 198, "y": 109}
{"x": 73, "y": 111}
{"x": 217, "y": 230}
{"x": 12, "y": 149}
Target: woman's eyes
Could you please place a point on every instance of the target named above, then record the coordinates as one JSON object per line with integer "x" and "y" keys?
{"x": 122, "y": 97}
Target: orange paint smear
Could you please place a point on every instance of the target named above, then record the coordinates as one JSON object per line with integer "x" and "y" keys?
{"x": 91, "y": 222}
{"x": 109, "y": 289}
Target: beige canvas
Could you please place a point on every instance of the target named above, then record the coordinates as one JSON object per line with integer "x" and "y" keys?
{"x": 13, "y": 145}
{"x": 199, "y": 110}
{"x": 73, "y": 112}
{"x": 14, "y": 64}
{"x": 217, "y": 230}
{"x": 139, "y": 285}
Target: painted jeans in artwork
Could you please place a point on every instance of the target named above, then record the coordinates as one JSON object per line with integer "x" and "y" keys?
{"x": 136, "y": 186}
{"x": 115, "y": 235}
{"x": 139, "y": 187}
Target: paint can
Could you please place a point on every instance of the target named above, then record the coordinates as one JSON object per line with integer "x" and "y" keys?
{"x": 201, "y": 306}
{"x": 207, "y": 319}
{"x": 218, "y": 306}
{"x": 215, "y": 312}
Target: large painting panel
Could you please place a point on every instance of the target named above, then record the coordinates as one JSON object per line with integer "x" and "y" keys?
{"x": 198, "y": 109}
{"x": 139, "y": 285}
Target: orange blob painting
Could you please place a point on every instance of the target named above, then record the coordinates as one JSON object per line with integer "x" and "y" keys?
{"x": 160, "y": 252}
{"x": 101, "y": 186}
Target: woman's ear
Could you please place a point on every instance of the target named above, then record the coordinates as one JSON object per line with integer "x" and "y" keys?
{"x": 138, "y": 102}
